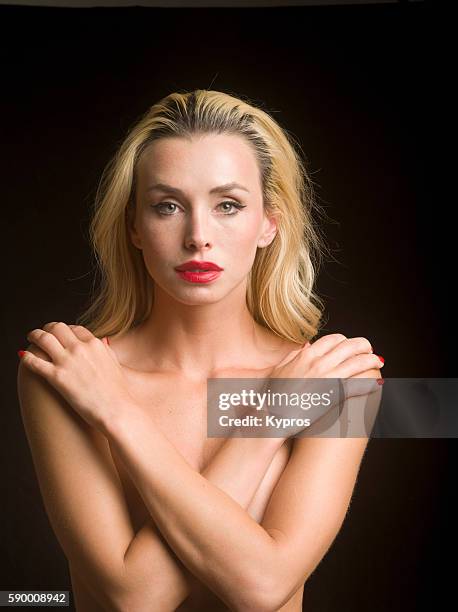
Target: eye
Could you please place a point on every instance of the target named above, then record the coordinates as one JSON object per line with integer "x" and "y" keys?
{"x": 158, "y": 208}
{"x": 235, "y": 204}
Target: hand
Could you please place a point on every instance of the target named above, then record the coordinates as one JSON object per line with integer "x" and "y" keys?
{"x": 332, "y": 356}
{"x": 350, "y": 360}
{"x": 82, "y": 368}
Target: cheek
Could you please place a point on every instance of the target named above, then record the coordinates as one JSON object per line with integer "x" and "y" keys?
{"x": 245, "y": 244}
{"x": 157, "y": 236}
{"x": 159, "y": 247}
{"x": 237, "y": 249}
{"x": 245, "y": 237}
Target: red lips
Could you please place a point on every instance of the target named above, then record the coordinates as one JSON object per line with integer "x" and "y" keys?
{"x": 197, "y": 265}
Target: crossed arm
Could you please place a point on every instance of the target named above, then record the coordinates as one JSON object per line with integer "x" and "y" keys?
{"x": 255, "y": 455}
{"x": 79, "y": 483}
{"x": 209, "y": 531}
{"x": 247, "y": 565}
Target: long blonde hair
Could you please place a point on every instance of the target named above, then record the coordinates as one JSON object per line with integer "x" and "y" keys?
{"x": 280, "y": 292}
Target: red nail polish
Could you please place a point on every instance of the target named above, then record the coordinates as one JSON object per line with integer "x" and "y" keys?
{"x": 381, "y": 358}
{"x": 380, "y": 381}
{"x": 20, "y": 353}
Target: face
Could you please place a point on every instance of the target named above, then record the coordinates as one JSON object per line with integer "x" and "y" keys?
{"x": 195, "y": 221}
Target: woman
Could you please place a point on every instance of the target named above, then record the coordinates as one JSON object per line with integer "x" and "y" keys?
{"x": 152, "y": 514}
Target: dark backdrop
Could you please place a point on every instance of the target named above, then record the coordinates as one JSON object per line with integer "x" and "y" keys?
{"x": 360, "y": 87}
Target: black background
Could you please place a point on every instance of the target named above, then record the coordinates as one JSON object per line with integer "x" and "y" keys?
{"x": 363, "y": 89}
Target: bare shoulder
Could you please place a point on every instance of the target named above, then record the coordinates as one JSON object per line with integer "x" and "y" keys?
{"x": 79, "y": 485}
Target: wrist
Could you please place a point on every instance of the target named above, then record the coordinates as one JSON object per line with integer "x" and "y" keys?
{"x": 118, "y": 417}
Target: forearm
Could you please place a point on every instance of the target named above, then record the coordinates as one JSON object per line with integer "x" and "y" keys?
{"x": 207, "y": 529}
{"x": 240, "y": 465}
{"x": 148, "y": 551}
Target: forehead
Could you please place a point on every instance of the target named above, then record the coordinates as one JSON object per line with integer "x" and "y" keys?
{"x": 204, "y": 161}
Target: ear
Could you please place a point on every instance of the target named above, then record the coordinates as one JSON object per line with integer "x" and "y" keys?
{"x": 131, "y": 227}
{"x": 270, "y": 228}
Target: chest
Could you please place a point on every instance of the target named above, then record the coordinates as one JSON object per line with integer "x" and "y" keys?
{"x": 179, "y": 409}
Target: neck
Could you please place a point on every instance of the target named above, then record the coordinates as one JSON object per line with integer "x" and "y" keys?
{"x": 200, "y": 340}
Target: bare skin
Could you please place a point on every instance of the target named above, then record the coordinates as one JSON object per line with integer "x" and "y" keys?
{"x": 194, "y": 332}
{"x": 198, "y": 450}
{"x": 207, "y": 338}
{"x": 319, "y": 480}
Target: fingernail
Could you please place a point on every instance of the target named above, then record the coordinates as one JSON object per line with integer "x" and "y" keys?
{"x": 381, "y": 358}
{"x": 20, "y": 353}
{"x": 380, "y": 381}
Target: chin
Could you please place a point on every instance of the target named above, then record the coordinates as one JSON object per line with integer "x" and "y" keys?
{"x": 195, "y": 295}
{"x": 199, "y": 295}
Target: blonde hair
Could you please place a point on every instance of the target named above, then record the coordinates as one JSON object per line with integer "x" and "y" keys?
{"x": 280, "y": 284}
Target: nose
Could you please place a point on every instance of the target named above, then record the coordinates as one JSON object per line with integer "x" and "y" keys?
{"x": 197, "y": 233}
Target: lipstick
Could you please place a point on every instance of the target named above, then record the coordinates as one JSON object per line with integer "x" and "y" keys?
{"x": 201, "y": 272}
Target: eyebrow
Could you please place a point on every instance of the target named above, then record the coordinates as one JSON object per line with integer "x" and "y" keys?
{"x": 169, "y": 189}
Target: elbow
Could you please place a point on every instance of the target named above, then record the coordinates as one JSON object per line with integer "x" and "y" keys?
{"x": 246, "y": 597}
{"x": 264, "y": 602}
{"x": 143, "y": 597}
{"x": 269, "y": 595}
{"x": 265, "y": 590}
{"x": 262, "y": 596}
{"x": 134, "y": 602}
{"x": 123, "y": 596}
{"x": 258, "y": 603}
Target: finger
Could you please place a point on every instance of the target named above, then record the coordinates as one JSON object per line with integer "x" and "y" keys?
{"x": 356, "y": 386}
{"x": 33, "y": 348}
{"x": 326, "y": 343}
{"x": 62, "y": 332}
{"x": 47, "y": 342}
{"x": 82, "y": 333}
{"x": 353, "y": 346}
{"x": 37, "y": 365}
{"x": 372, "y": 373}
{"x": 342, "y": 352}
{"x": 355, "y": 365}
